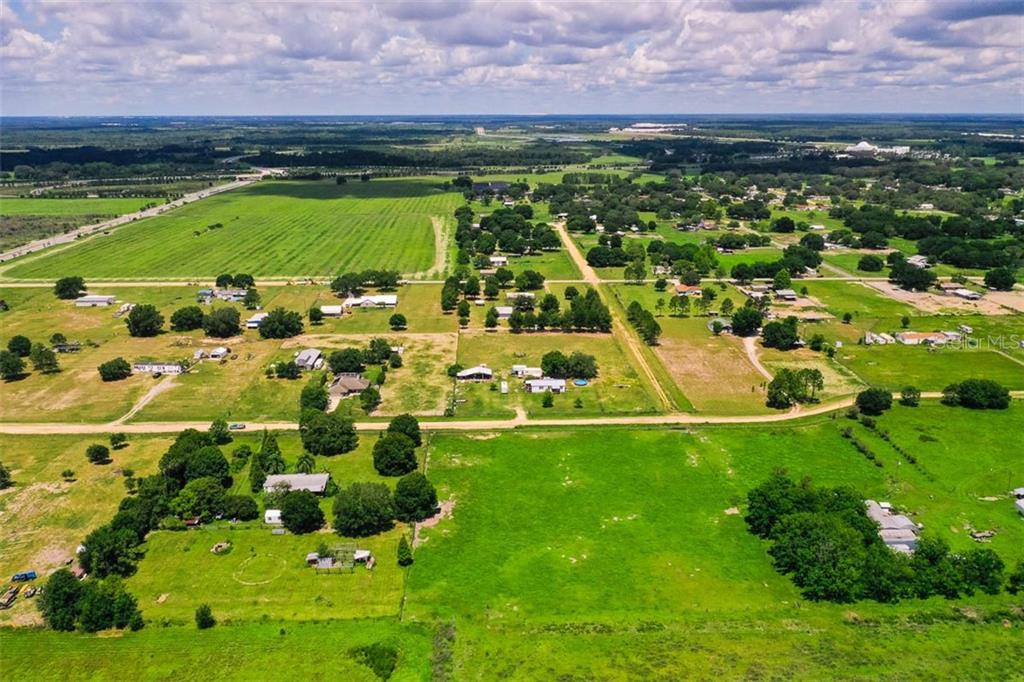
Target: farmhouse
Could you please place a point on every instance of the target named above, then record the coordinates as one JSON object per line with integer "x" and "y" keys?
{"x": 504, "y": 311}
{"x": 545, "y": 384}
{"x": 309, "y": 359}
{"x": 498, "y": 261}
{"x": 345, "y": 385}
{"x": 927, "y": 338}
{"x": 254, "y": 321}
{"x": 689, "y": 290}
{"x": 523, "y": 372}
{"x": 376, "y": 301}
{"x": 153, "y": 367}
{"x": 478, "y": 373}
{"x": 94, "y": 301}
{"x": 314, "y": 483}
{"x": 897, "y": 531}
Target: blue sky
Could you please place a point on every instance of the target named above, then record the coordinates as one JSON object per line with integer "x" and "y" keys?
{"x": 467, "y": 57}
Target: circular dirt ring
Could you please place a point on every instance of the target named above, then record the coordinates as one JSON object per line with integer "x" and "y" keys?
{"x": 259, "y": 569}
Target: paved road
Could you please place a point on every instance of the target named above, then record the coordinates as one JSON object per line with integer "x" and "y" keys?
{"x": 85, "y": 230}
{"x": 618, "y": 328}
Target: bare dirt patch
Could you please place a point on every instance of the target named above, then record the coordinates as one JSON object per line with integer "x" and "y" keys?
{"x": 714, "y": 373}
{"x": 939, "y": 303}
{"x": 445, "y": 512}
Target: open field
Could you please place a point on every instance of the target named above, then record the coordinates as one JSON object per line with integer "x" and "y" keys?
{"x": 23, "y": 220}
{"x": 929, "y": 370}
{"x": 272, "y": 228}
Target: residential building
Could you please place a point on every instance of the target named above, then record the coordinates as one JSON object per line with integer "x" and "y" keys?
{"x": 314, "y": 483}
{"x": 154, "y": 367}
{"x": 545, "y": 384}
{"x": 927, "y": 338}
{"x": 897, "y": 531}
{"x": 689, "y": 290}
{"x": 346, "y": 385}
{"x": 254, "y": 321}
{"x": 272, "y": 517}
{"x": 309, "y": 359}
{"x": 375, "y": 301}
{"x": 504, "y": 311}
{"x": 524, "y": 372}
{"x": 786, "y": 294}
{"x": 94, "y": 301}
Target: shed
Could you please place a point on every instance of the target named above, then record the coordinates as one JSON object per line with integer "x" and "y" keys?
{"x": 219, "y": 352}
{"x": 786, "y": 294}
{"x": 524, "y": 372}
{"x": 254, "y": 321}
{"x": 504, "y": 311}
{"x": 309, "y": 359}
{"x": 272, "y": 517}
{"x": 478, "y": 373}
{"x": 332, "y": 310}
{"x": 314, "y": 483}
{"x": 94, "y": 301}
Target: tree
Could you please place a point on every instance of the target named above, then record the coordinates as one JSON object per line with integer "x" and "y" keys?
{"x": 202, "y": 497}
{"x": 106, "y": 604}
{"x": 97, "y": 454}
{"x": 727, "y": 307}
{"x": 394, "y": 454}
{"x": 204, "y": 617}
{"x": 415, "y": 498}
{"x": 982, "y": 569}
{"x": 58, "y": 603}
{"x": 781, "y": 335}
{"x": 870, "y": 263}
{"x": 1000, "y": 279}
{"x": 207, "y": 462}
{"x": 397, "y": 322}
{"x": 305, "y": 463}
{"x": 69, "y": 287}
{"x": 43, "y": 359}
{"x": 257, "y": 474}
{"x": 144, "y": 320}
{"x": 252, "y": 299}
{"x": 910, "y": 396}
{"x": 363, "y": 509}
{"x": 491, "y": 287}
{"x": 406, "y": 424}
{"x": 219, "y": 432}
{"x": 491, "y": 318}
{"x": 874, "y": 401}
{"x": 280, "y": 324}
{"x": 782, "y": 280}
{"x": 11, "y": 365}
{"x": 315, "y": 314}
{"x": 187, "y": 318}
{"x": 824, "y": 554}
{"x": 110, "y": 552}
{"x": 115, "y": 370}
{"x": 1015, "y": 583}
{"x": 224, "y": 280}
{"x": 222, "y": 323}
{"x": 301, "y": 513}
{"x": 287, "y": 369}
{"x": 783, "y": 224}
{"x": 314, "y": 395}
{"x": 548, "y": 400}
{"x": 5, "y": 477}
{"x": 404, "y": 552}
{"x": 909, "y": 277}
{"x": 369, "y": 399}
{"x": 978, "y": 394}
{"x": 346, "y": 361}
{"x": 905, "y": 321}
{"x": 241, "y": 507}
{"x": 327, "y": 434}
{"x": 746, "y": 321}
{"x": 20, "y": 345}
{"x": 57, "y": 338}
{"x": 243, "y": 280}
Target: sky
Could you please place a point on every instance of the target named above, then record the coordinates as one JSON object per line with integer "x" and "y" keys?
{"x": 471, "y": 57}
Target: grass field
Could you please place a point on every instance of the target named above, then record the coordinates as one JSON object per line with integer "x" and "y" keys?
{"x": 23, "y": 220}
{"x": 273, "y": 228}
{"x": 897, "y": 366}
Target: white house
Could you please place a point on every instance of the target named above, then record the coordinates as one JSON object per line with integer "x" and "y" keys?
{"x": 376, "y": 301}
{"x": 310, "y": 358}
{"x": 314, "y": 483}
{"x": 219, "y": 352}
{"x": 94, "y": 301}
{"x": 897, "y": 531}
{"x": 332, "y": 310}
{"x": 524, "y": 372}
{"x": 498, "y": 261}
{"x": 516, "y": 295}
{"x": 918, "y": 261}
{"x": 254, "y": 321}
{"x": 545, "y": 384}
{"x": 504, "y": 311}
{"x": 152, "y": 367}
{"x": 272, "y": 517}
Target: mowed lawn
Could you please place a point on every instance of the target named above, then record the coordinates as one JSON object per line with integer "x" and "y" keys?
{"x": 273, "y": 228}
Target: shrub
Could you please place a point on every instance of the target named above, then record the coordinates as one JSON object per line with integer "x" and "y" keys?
{"x": 910, "y": 396}
{"x": 978, "y": 394}
{"x": 115, "y": 370}
{"x": 874, "y": 401}
{"x": 118, "y": 440}
{"x": 404, "y": 552}
{"x": 204, "y": 617}
{"x": 144, "y": 320}
{"x": 98, "y": 454}
{"x": 378, "y": 657}
{"x": 415, "y": 498}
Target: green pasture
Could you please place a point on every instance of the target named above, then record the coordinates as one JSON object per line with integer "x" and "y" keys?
{"x": 272, "y": 228}
{"x": 896, "y": 366}
{"x": 72, "y": 208}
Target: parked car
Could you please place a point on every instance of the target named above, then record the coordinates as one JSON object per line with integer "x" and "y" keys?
{"x": 237, "y": 427}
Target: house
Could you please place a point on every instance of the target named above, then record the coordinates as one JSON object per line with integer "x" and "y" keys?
{"x": 478, "y": 373}
{"x": 1020, "y": 507}
{"x": 219, "y": 352}
{"x": 689, "y": 290}
{"x": 967, "y": 294}
{"x": 314, "y": 483}
{"x": 204, "y": 296}
{"x": 272, "y": 517}
{"x": 786, "y": 294}
{"x": 870, "y": 338}
{"x": 376, "y": 301}
{"x": 926, "y": 207}
{"x": 498, "y": 261}
{"x": 254, "y": 321}
{"x": 817, "y": 227}
{"x": 153, "y": 367}
{"x": 516, "y": 295}
{"x": 927, "y": 338}
{"x": 309, "y": 359}
{"x": 94, "y": 301}
{"x": 918, "y": 261}
{"x": 230, "y": 295}
{"x": 524, "y": 372}
{"x": 332, "y": 310}
{"x": 504, "y": 311}
{"x": 345, "y": 385}
{"x": 545, "y": 384}
{"x": 897, "y": 531}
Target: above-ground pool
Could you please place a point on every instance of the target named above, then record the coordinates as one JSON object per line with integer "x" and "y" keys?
{"x": 580, "y": 382}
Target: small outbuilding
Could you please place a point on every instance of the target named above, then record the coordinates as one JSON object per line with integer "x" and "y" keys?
{"x": 310, "y": 359}
{"x": 314, "y": 483}
{"x": 478, "y": 373}
{"x": 254, "y": 321}
{"x": 272, "y": 517}
{"x": 94, "y": 301}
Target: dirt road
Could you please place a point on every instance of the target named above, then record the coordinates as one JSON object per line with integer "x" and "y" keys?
{"x": 618, "y": 328}
{"x": 750, "y": 346}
